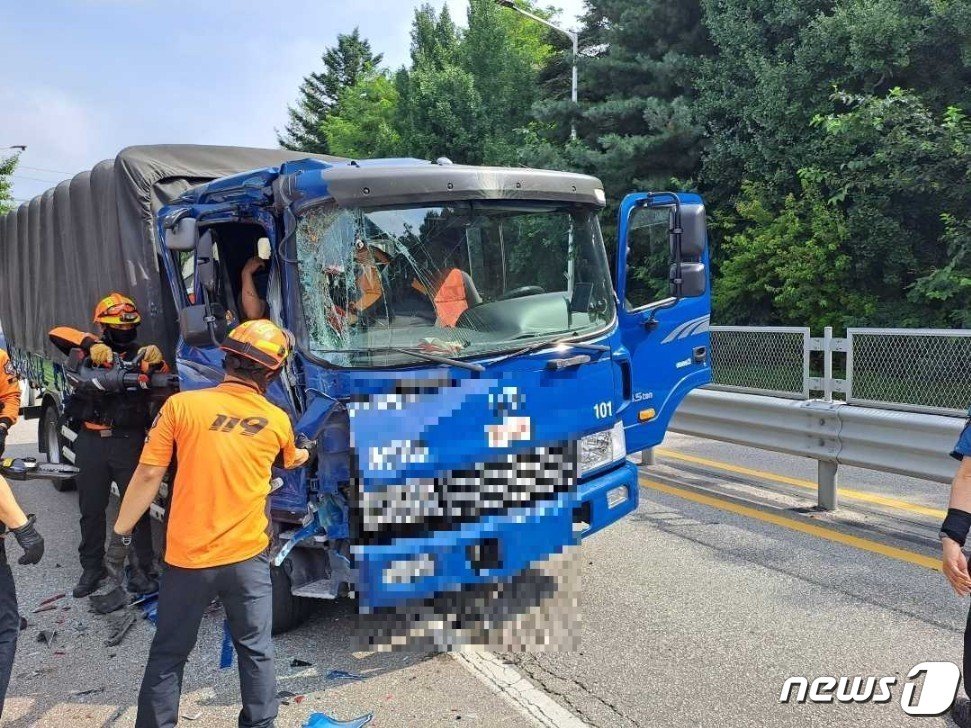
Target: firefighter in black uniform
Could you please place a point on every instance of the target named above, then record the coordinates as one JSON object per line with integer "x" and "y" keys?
{"x": 112, "y": 431}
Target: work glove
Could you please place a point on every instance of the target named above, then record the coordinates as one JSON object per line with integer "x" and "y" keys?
{"x": 3, "y": 436}
{"x": 101, "y": 355}
{"x": 30, "y": 541}
{"x": 151, "y": 355}
{"x": 305, "y": 443}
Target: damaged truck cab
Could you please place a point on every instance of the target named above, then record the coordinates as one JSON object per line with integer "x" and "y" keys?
{"x": 475, "y": 379}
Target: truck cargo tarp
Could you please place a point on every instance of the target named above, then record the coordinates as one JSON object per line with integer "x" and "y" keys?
{"x": 93, "y": 234}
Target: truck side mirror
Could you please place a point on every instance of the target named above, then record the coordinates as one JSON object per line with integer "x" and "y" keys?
{"x": 694, "y": 231}
{"x": 202, "y": 325}
{"x": 183, "y": 235}
{"x": 693, "y": 280}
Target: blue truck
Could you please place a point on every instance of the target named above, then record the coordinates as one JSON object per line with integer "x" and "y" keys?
{"x": 474, "y": 368}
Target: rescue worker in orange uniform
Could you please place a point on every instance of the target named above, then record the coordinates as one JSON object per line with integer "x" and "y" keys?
{"x": 9, "y": 397}
{"x": 110, "y": 438}
{"x": 227, "y": 438}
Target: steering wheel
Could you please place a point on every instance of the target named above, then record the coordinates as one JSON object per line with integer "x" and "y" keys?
{"x": 521, "y": 291}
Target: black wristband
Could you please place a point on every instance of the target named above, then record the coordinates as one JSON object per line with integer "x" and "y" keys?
{"x": 956, "y": 525}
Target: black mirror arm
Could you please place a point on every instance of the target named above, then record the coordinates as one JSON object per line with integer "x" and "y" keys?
{"x": 210, "y": 318}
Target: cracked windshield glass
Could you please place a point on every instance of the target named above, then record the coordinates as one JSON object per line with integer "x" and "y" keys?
{"x": 455, "y": 281}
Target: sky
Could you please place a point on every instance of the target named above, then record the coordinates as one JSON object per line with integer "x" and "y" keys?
{"x": 82, "y": 79}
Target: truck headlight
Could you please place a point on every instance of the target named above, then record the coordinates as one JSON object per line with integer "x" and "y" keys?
{"x": 412, "y": 502}
{"x": 601, "y": 448}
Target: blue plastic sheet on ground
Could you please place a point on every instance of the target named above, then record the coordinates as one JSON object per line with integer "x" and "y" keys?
{"x": 149, "y": 606}
{"x": 226, "y": 654}
{"x": 320, "y": 720}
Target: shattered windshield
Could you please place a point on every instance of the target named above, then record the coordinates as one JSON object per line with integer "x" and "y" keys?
{"x": 455, "y": 280}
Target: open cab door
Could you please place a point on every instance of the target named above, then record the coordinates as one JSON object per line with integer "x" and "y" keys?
{"x": 665, "y": 307}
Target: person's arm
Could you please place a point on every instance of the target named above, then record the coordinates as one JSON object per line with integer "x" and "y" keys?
{"x": 9, "y": 394}
{"x": 141, "y": 492}
{"x": 11, "y": 513}
{"x": 254, "y": 307}
{"x": 65, "y": 338}
{"x": 21, "y": 526}
{"x": 954, "y": 530}
{"x": 152, "y": 465}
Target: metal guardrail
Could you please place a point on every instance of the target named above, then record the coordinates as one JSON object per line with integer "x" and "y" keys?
{"x": 832, "y": 433}
{"x": 771, "y": 360}
{"x": 918, "y": 370}
{"x": 915, "y": 370}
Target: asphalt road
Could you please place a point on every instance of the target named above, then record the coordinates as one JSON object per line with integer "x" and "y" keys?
{"x": 691, "y": 614}
{"x": 401, "y": 689}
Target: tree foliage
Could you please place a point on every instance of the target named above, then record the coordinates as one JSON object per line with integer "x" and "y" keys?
{"x": 320, "y": 91}
{"x": 7, "y": 167}
{"x": 361, "y": 123}
{"x": 830, "y": 139}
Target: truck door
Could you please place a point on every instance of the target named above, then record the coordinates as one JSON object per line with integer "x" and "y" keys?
{"x": 664, "y": 309}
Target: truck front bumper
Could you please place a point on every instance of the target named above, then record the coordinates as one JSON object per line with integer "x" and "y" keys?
{"x": 495, "y": 548}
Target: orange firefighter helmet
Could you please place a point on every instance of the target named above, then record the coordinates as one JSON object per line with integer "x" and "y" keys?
{"x": 117, "y": 309}
{"x": 261, "y": 341}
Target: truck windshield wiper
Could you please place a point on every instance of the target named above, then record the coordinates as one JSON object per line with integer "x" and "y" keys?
{"x": 417, "y": 353}
{"x": 564, "y": 341}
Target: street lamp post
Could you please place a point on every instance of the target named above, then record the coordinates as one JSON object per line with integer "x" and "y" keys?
{"x": 574, "y": 39}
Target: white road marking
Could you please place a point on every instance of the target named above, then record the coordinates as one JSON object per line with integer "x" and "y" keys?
{"x": 517, "y": 691}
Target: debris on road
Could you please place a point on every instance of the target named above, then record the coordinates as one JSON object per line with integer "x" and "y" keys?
{"x": 45, "y": 608}
{"x": 296, "y": 662}
{"x": 119, "y": 626}
{"x": 343, "y": 675}
{"x": 226, "y": 651}
{"x": 192, "y": 716}
{"x": 47, "y": 637}
{"x": 110, "y": 602}
{"x": 51, "y": 600}
{"x": 321, "y": 720}
{"x": 90, "y": 691}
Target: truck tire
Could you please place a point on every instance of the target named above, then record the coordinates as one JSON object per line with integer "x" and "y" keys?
{"x": 53, "y": 442}
{"x": 289, "y": 612}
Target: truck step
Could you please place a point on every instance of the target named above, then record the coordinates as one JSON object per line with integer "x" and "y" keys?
{"x": 320, "y": 589}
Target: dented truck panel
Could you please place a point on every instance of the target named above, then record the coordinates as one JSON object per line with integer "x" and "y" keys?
{"x": 461, "y": 361}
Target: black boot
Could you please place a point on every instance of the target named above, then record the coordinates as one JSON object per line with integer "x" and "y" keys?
{"x": 89, "y": 582}
{"x": 140, "y": 582}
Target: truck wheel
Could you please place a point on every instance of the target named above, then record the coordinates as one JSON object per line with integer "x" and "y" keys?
{"x": 289, "y": 612}
{"x": 53, "y": 441}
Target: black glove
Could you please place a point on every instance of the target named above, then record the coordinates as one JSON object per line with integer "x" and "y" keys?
{"x": 30, "y": 541}
{"x": 3, "y": 436}
{"x": 305, "y": 443}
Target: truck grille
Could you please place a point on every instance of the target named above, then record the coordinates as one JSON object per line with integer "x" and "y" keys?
{"x": 433, "y": 504}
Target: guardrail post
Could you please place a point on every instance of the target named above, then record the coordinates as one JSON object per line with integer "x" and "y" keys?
{"x": 826, "y": 480}
{"x": 828, "y": 364}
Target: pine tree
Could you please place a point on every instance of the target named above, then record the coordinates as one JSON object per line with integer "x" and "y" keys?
{"x": 344, "y": 64}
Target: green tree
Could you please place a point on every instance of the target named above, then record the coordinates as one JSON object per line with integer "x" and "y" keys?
{"x": 468, "y": 94}
{"x": 778, "y": 62}
{"x": 344, "y": 64}
{"x": 881, "y": 154}
{"x": 361, "y": 124}
{"x": 899, "y": 172}
{"x": 7, "y": 167}
{"x": 788, "y": 264}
